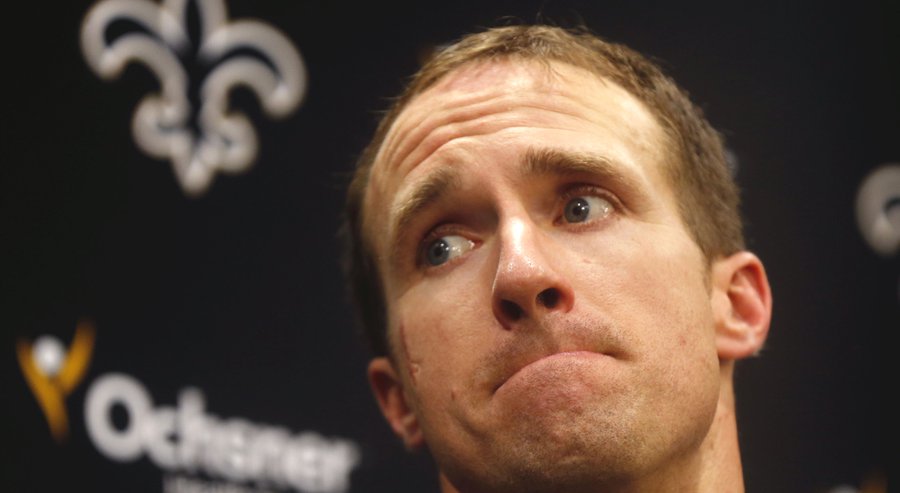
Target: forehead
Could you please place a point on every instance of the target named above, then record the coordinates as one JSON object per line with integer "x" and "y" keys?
{"x": 481, "y": 99}
{"x": 463, "y": 99}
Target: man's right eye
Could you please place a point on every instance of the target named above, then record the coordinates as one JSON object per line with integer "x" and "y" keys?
{"x": 445, "y": 248}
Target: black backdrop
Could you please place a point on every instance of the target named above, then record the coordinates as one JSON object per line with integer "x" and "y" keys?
{"x": 238, "y": 292}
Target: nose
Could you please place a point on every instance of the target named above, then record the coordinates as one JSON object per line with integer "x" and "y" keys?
{"x": 526, "y": 284}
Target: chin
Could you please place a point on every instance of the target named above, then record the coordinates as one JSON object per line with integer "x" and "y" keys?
{"x": 535, "y": 470}
{"x": 568, "y": 451}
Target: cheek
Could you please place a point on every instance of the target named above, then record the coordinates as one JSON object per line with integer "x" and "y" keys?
{"x": 436, "y": 336}
{"x": 655, "y": 294}
{"x": 653, "y": 287}
{"x": 436, "y": 340}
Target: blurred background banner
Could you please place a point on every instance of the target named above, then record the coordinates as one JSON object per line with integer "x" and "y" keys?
{"x": 171, "y": 181}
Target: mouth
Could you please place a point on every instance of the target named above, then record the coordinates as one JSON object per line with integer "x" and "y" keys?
{"x": 550, "y": 365}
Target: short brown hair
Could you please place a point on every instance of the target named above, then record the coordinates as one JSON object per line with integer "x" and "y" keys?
{"x": 708, "y": 196}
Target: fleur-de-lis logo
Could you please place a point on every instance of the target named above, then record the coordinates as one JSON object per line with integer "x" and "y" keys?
{"x": 162, "y": 124}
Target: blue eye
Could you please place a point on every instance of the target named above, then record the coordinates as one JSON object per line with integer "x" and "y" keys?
{"x": 580, "y": 209}
{"x": 445, "y": 248}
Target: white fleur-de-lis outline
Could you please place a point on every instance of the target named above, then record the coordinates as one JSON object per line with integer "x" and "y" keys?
{"x": 227, "y": 140}
{"x": 878, "y": 209}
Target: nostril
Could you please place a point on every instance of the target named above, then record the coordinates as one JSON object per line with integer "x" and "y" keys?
{"x": 511, "y": 310}
{"x": 548, "y": 298}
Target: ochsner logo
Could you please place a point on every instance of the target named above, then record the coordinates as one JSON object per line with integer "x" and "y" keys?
{"x": 184, "y": 438}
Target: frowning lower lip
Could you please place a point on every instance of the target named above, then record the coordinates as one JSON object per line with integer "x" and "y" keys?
{"x": 548, "y": 359}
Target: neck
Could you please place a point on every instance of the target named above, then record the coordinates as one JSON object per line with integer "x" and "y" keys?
{"x": 719, "y": 456}
{"x": 715, "y": 467}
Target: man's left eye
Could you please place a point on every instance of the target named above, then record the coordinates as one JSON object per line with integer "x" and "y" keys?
{"x": 585, "y": 207}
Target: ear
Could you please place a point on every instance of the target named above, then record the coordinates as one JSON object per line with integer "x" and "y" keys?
{"x": 742, "y": 305}
{"x": 388, "y": 390}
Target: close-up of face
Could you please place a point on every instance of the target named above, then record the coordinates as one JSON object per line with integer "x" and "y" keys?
{"x": 545, "y": 302}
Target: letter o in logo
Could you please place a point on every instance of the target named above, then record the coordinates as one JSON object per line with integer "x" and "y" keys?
{"x": 878, "y": 209}
{"x": 108, "y": 390}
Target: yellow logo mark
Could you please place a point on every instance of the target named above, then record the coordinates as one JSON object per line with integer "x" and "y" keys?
{"x": 52, "y": 373}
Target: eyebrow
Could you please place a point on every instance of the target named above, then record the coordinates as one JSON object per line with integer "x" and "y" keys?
{"x": 426, "y": 193}
{"x": 543, "y": 162}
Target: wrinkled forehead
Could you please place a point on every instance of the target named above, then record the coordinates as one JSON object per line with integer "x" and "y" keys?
{"x": 409, "y": 136}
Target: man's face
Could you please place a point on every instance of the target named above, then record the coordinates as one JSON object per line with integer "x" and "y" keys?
{"x": 549, "y": 314}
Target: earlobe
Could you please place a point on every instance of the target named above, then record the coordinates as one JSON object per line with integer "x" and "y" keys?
{"x": 742, "y": 305}
{"x": 388, "y": 390}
